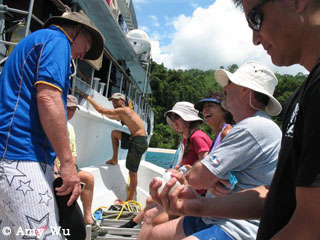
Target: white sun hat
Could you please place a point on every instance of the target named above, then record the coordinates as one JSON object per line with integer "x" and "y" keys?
{"x": 186, "y": 111}
{"x": 255, "y": 76}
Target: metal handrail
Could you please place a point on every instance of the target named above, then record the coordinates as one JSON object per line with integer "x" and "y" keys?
{"x": 8, "y": 43}
{"x": 5, "y": 8}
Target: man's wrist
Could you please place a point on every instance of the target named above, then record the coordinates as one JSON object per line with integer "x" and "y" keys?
{"x": 66, "y": 161}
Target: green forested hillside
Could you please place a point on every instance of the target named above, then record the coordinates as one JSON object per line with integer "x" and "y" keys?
{"x": 171, "y": 86}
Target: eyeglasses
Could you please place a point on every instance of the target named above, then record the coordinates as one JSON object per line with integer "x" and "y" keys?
{"x": 173, "y": 116}
{"x": 255, "y": 16}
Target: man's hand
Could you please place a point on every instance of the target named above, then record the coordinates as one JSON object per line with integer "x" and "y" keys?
{"x": 82, "y": 94}
{"x": 182, "y": 201}
{"x": 71, "y": 182}
{"x": 178, "y": 175}
{"x": 219, "y": 188}
{"x": 53, "y": 121}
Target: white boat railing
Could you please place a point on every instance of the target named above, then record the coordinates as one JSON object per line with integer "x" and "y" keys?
{"x": 135, "y": 92}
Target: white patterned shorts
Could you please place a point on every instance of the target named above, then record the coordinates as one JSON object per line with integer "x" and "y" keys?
{"x": 28, "y": 209}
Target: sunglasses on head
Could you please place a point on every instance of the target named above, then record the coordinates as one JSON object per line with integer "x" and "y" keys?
{"x": 173, "y": 116}
{"x": 255, "y": 16}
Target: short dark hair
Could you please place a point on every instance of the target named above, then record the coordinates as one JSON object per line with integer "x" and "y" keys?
{"x": 261, "y": 98}
{"x": 217, "y": 95}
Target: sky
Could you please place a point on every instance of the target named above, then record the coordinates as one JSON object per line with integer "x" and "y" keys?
{"x": 201, "y": 34}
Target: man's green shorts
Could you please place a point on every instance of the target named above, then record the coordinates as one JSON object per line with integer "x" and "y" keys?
{"x": 137, "y": 147}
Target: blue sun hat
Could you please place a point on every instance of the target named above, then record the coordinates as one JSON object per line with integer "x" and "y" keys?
{"x": 199, "y": 105}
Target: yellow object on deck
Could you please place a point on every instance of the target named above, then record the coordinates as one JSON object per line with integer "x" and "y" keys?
{"x": 18, "y": 33}
{"x": 130, "y": 206}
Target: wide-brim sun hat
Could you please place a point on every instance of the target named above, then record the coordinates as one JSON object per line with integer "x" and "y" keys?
{"x": 81, "y": 18}
{"x": 186, "y": 111}
{"x": 255, "y": 76}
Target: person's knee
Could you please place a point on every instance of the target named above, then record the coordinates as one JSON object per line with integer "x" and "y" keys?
{"x": 116, "y": 134}
{"x": 90, "y": 179}
{"x": 86, "y": 177}
{"x": 149, "y": 200}
{"x": 153, "y": 234}
{"x": 113, "y": 134}
{"x": 156, "y": 233}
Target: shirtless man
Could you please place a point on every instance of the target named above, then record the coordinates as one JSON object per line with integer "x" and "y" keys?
{"x": 137, "y": 141}
{"x": 117, "y": 135}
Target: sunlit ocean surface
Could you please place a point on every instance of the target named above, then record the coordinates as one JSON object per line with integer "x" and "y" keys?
{"x": 160, "y": 159}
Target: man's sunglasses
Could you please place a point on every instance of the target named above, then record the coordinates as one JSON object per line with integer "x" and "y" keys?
{"x": 173, "y": 116}
{"x": 255, "y": 16}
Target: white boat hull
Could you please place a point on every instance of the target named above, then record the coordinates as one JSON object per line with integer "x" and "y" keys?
{"x": 94, "y": 147}
{"x": 111, "y": 182}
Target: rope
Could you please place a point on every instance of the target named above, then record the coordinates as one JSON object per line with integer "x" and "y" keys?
{"x": 128, "y": 206}
{"x": 128, "y": 203}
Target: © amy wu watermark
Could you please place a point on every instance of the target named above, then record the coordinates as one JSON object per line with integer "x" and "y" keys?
{"x": 36, "y": 233}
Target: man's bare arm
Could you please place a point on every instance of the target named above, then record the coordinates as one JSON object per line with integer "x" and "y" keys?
{"x": 304, "y": 223}
{"x": 200, "y": 177}
{"x": 110, "y": 113}
{"x": 100, "y": 109}
{"x": 53, "y": 120}
{"x": 202, "y": 155}
{"x": 247, "y": 204}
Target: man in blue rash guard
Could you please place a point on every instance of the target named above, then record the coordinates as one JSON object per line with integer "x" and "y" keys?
{"x": 34, "y": 84}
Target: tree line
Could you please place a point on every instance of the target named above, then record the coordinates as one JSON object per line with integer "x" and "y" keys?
{"x": 170, "y": 86}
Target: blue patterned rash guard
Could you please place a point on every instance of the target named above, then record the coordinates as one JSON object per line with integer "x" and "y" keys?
{"x": 42, "y": 57}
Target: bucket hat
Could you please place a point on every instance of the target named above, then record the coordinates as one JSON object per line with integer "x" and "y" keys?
{"x": 118, "y": 96}
{"x": 186, "y": 111}
{"x": 72, "y": 101}
{"x": 255, "y": 76}
{"x": 81, "y": 18}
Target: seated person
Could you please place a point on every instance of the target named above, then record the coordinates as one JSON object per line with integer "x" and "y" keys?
{"x": 250, "y": 150}
{"x": 87, "y": 179}
{"x": 184, "y": 119}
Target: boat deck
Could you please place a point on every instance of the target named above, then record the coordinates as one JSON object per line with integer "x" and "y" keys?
{"x": 110, "y": 184}
{"x": 115, "y": 232}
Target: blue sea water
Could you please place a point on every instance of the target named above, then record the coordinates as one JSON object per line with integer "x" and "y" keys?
{"x": 160, "y": 159}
